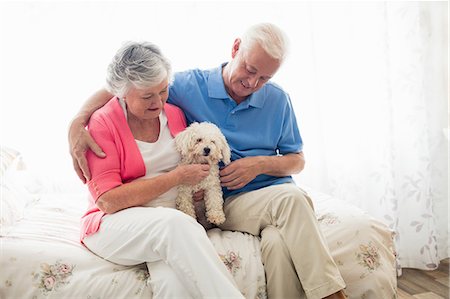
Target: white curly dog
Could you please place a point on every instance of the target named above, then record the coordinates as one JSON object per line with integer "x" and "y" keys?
{"x": 203, "y": 143}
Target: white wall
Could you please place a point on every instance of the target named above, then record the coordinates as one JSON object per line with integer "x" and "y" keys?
{"x": 53, "y": 55}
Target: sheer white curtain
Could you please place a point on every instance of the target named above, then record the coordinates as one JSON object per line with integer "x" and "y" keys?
{"x": 375, "y": 117}
{"x": 368, "y": 81}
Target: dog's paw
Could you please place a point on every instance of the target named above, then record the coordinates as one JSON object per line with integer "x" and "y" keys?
{"x": 215, "y": 217}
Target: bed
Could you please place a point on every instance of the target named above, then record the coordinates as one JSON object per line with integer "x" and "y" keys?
{"x": 41, "y": 256}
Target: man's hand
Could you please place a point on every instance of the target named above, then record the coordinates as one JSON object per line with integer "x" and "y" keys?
{"x": 240, "y": 172}
{"x": 198, "y": 196}
{"x": 80, "y": 141}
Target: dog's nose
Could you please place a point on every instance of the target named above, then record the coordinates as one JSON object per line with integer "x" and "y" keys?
{"x": 206, "y": 151}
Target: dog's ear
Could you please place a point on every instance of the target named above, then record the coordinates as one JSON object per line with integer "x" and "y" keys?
{"x": 225, "y": 149}
{"x": 180, "y": 139}
{"x": 183, "y": 141}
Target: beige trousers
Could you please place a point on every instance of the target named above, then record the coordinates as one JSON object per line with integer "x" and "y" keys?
{"x": 295, "y": 254}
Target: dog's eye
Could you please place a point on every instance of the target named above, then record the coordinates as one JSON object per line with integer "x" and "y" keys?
{"x": 213, "y": 142}
{"x": 199, "y": 140}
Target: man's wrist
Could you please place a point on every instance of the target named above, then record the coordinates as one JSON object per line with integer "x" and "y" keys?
{"x": 264, "y": 164}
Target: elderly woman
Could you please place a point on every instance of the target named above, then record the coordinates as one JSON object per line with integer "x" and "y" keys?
{"x": 131, "y": 217}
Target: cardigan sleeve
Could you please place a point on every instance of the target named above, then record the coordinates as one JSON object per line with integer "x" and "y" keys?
{"x": 105, "y": 172}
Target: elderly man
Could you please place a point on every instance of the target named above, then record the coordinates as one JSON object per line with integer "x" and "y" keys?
{"x": 257, "y": 118}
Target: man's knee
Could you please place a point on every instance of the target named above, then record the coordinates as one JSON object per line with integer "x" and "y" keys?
{"x": 306, "y": 198}
{"x": 293, "y": 196}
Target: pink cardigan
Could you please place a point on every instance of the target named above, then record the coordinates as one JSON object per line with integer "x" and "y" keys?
{"x": 123, "y": 162}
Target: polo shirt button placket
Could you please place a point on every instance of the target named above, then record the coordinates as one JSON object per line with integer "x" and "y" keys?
{"x": 230, "y": 121}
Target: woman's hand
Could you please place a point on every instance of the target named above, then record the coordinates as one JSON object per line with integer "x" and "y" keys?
{"x": 192, "y": 174}
{"x": 80, "y": 141}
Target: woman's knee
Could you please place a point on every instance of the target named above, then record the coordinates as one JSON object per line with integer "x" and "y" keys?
{"x": 176, "y": 221}
{"x": 156, "y": 221}
{"x": 178, "y": 218}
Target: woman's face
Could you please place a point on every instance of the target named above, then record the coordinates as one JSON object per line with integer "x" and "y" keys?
{"x": 147, "y": 103}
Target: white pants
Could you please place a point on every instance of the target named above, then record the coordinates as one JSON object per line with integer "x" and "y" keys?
{"x": 180, "y": 258}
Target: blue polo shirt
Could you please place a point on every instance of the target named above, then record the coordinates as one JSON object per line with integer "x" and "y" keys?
{"x": 262, "y": 125}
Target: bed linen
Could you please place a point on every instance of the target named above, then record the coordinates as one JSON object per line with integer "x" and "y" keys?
{"x": 41, "y": 256}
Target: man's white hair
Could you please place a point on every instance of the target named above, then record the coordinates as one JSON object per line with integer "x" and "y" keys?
{"x": 271, "y": 38}
{"x": 139, "y": 65}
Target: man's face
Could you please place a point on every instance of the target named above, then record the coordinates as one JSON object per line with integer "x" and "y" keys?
{"x": 249, "y": 70}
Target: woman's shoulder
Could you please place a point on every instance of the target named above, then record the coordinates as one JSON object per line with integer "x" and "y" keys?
{"x": 170, "y": 108}
{"x": 175, "y": 118}
{"x": 110, "y": 109}
{"x": 111, "y": 112}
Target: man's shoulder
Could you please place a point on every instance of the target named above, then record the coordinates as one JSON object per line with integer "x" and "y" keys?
{"x": 273, "y": 97}
{"x": 188, "y": 75}
{"x": 274, "y": 87}
{"x": 275, "y": 92}
{"x": 190, "y": 80}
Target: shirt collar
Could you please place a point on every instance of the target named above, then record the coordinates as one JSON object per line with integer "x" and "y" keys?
{"x": 216, "y": 86}
{"x": 216, "y": 89}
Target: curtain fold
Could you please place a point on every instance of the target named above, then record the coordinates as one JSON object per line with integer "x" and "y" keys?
{"x": 380, "y": 95}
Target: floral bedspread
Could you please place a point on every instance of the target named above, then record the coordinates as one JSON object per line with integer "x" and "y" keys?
{"x": 42, "y": 258}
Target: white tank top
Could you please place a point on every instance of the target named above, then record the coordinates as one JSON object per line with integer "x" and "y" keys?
{"x": 159, "y": 157}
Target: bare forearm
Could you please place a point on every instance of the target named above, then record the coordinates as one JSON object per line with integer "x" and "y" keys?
{"x": 136, "y": 193}
{"x": 80, "y": 140}
{"x": 93, "y": 103}
{"x": 242, "y": 171}
{"x": 282, "y": 165}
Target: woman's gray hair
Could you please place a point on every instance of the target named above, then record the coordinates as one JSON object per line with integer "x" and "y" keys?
{"x": 139, "y": 65}
{"x": 269, "y": 37}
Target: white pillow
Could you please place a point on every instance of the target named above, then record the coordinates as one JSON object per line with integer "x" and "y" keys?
{"x": 8, "y": 157}
{"x": 12, "y": 206}
{"x": 19, "y": 189}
